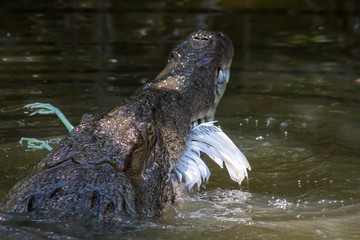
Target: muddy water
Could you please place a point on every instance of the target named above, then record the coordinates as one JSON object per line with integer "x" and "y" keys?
{"x": 292, "y": 106}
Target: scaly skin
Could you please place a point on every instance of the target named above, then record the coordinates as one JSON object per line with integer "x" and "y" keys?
{"x": 119, "y": 165}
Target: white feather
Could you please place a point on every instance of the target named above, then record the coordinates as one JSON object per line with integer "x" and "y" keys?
{"x": 203, "y": 147}
{"x": 178, "y": 174}
{"x": 212, "y": 141}
{"x": 203, "y": 169}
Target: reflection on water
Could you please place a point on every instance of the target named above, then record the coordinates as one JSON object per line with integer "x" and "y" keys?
{"x": 292, "y": 107}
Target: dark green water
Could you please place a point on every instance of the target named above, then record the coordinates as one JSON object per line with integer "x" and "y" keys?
{"x": 292, "y": 106}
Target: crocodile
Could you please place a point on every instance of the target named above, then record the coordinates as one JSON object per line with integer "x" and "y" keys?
{"x": 135, "y": 160}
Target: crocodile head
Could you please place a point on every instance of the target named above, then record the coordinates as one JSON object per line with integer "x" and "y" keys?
{"x": 198, "y": 71}
{"x": 198, "y": 68}
{"x": 189, "y": 90}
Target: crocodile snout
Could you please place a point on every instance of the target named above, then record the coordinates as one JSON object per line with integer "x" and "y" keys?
{"x": 200, "y": 39}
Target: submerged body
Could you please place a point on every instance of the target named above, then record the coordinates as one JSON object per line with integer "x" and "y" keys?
{"x": 120, "y": 164}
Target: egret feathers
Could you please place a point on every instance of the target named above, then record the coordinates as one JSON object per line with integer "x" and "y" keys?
{"x": 212, "y": 141}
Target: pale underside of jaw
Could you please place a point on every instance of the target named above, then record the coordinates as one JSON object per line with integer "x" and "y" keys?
{"x": 206, "y": 138}
{"x": 221, "y": 80}
{"x": 224, "y": 75}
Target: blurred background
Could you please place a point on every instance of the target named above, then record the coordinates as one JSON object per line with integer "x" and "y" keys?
{"x": 292, "y": 106}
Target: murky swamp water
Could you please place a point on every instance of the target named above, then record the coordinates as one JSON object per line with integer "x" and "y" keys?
{"x": 292, "y": 106}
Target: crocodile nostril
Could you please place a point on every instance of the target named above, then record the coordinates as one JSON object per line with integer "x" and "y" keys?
{"x": 200, "y": 40}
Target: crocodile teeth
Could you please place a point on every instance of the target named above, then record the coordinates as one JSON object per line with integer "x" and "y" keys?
{"x": 211, "y": 140}
{"x": 224, "y": 75}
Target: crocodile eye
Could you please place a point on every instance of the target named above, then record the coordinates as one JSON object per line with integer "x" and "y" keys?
{"x": 141, "y": 149}
{"x": 174, "y": 54}
{"x": 149, "y": 129}
{"x": 150, "y": 133}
